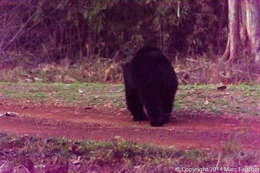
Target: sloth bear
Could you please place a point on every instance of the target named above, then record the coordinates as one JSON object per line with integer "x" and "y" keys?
{"x": 150, "y": 83}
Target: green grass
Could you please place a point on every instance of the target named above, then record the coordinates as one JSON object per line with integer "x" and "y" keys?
{"x": 236, "y": 99}
{"x": 119, "y": 154}
{"x": 124, "y": 155}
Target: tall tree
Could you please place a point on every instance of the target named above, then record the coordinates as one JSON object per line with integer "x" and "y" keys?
{"x": 244, "y": 32}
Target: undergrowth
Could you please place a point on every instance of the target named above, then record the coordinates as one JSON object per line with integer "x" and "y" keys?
{"x": 189, "y": 71}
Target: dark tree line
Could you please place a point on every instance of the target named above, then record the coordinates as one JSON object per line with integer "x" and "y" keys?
{"x": 50, "y": 30}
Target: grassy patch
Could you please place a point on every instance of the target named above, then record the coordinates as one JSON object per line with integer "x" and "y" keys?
{"x": 237, "y": 99}
{"x": 116, "y": 156}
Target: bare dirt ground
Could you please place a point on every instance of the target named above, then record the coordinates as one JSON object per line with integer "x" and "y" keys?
{"x": 186, "y": 129}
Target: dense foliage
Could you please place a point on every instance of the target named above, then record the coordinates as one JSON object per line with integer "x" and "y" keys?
{"x": 50, "y": 30}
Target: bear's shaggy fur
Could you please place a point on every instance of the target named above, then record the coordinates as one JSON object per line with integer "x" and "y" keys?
{"x": 151, "y": 83}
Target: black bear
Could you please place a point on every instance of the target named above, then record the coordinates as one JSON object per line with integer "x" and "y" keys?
{"x": 151, "y": 83}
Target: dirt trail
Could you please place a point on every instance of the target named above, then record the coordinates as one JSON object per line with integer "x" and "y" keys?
{"x": 187, "y": 130}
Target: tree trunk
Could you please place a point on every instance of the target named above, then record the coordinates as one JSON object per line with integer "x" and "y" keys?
{"x": 244, "y": 32}
{"x": 231, "y": 51}
{"x": 253, "y": 27}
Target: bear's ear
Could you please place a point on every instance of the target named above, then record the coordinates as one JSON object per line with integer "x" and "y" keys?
{"x": 124, "y": 65}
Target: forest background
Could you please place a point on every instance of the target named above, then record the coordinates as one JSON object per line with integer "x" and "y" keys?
{"x": 88, "y": 40}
